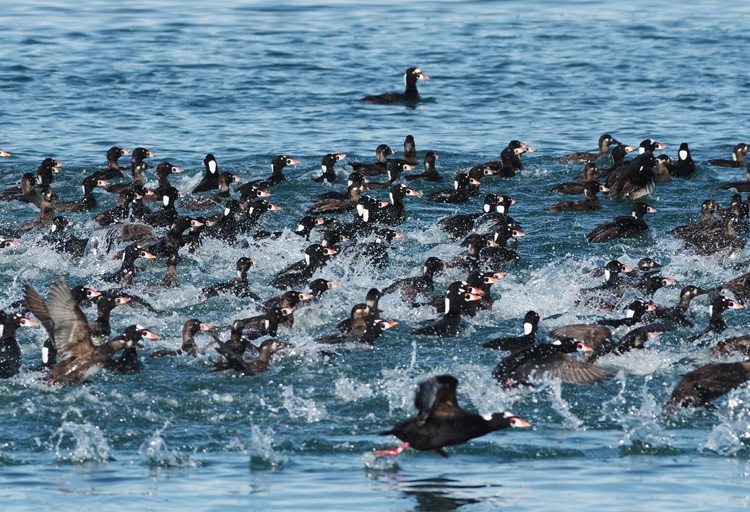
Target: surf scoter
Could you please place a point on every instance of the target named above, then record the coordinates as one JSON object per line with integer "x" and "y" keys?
{"x": 441, "y": 422}
{"x": 622, "y": 227}
{"x": 450, "y": 323}
{"x": 509, "y": 163}
{"x": 458, "y": 194}
{"x": 259, "y": 364}
{"x": 239, "y": 286}
{"x": 210, "y": 179}
{"x": 412, "y": 287}
{"x": 738, "y": 157}
{"x": 10, "y": 350}
{"x": 326, "y": 166}
{"x": 128, "y": 361}
{"x": 430, "y": 169}
{"x": 68, "y": 329}
{"x": 531, "y": 363}
{"x": 684, "y": 167}
{"x": 190, "y": 328}
{"x": 410, "y": 94}
{"x": 709, "y": 382}
{"x": 380, "y": 166}
{"x": 590, "y": 202}
{"x": 605, "y": 140}
{"x": 113, "y": 169}
{"x": 512, "y": 343}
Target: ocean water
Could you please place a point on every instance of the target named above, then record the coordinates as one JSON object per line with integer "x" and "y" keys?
{"x": 249, "y": 80}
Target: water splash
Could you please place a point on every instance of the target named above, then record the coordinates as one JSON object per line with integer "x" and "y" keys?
{"x": 731, "y": 436}
{"x": 262, "y": 453}
{"x": 155, "y": 453}
{"x": 302, "y": 407}
{"x": 351, "y": 390}
{"x": 76, "y": 443}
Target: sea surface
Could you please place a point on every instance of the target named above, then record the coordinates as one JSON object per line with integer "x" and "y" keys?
{"x": 250, "y": 80}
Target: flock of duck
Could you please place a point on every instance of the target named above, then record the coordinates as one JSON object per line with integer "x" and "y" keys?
{"x": 163, "y": 223}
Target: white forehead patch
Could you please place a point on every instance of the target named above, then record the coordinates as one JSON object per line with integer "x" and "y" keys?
{"x": 139, "y": 327}
{"x": 527, "y": 327}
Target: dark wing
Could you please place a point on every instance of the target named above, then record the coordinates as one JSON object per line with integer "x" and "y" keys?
{"x": 38, "y": 307}
{"x": 571, "y": 371}
{"x": 234, "y": 361}
{"x": 72, "y": 334}
{"x": 436, "y": 396}
{"x": 636, "y": 337}
{"x": 591, "y": 334}
{"x": 706, "y": 383}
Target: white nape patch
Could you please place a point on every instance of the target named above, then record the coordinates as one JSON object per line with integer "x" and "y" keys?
{"x": 307, "y": 260}
{"x": 365, "y": 214}
{"x": 226, "y": 211}
{"x": 404, "y": 79}
{"x": 45, "y": 355}
{"x": 734, "y": 157}
{"x": 165, "y": 200}
{"x": 487, "y": 416}
{"x": 360, "y": 209}
{"x": 53, "y": 228}
{"x": 390, "y": 194}
{"x": 239, "y": 274}
{"x": 300, "y": 228}
{"x": 629, "y": 313}
{"x": 683, "y": 154}
{"x": 424, "y": 269}
{"x": 267, "y": 323}
{"x": 455, "y": 184}
{"x": 212, "y": 166}
{"x": 323, "y": 168}
{"x": 83, "y": 187}
{"x": 447, "y": 304}
{"x": 349, "y": 183}
{"x": 607, "y": 275}
{"x": 500, "y": 208}
{"x": 557, "y": 343}
{"x": 251, "y": 210}
{"x": 641, "y": 150}
{"x": 2, "y": 330}
{"x": 139, "y": 327}
{"x": 711, "y": 310}
{"x": 634, "y": 215}
{"x": 486, "y": 208}
{"x": 527, "y": 327}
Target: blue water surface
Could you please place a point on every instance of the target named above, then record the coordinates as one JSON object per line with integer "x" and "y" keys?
{"x": 250, "y": 80}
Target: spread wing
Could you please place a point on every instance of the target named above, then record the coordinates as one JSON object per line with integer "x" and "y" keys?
{"x": 571, "y": 371}
{"x": 436, "y": 396}
{"x": 593, "y": 334}
{"x": 38, "y": 307}
{"x": 71, "y": 333}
